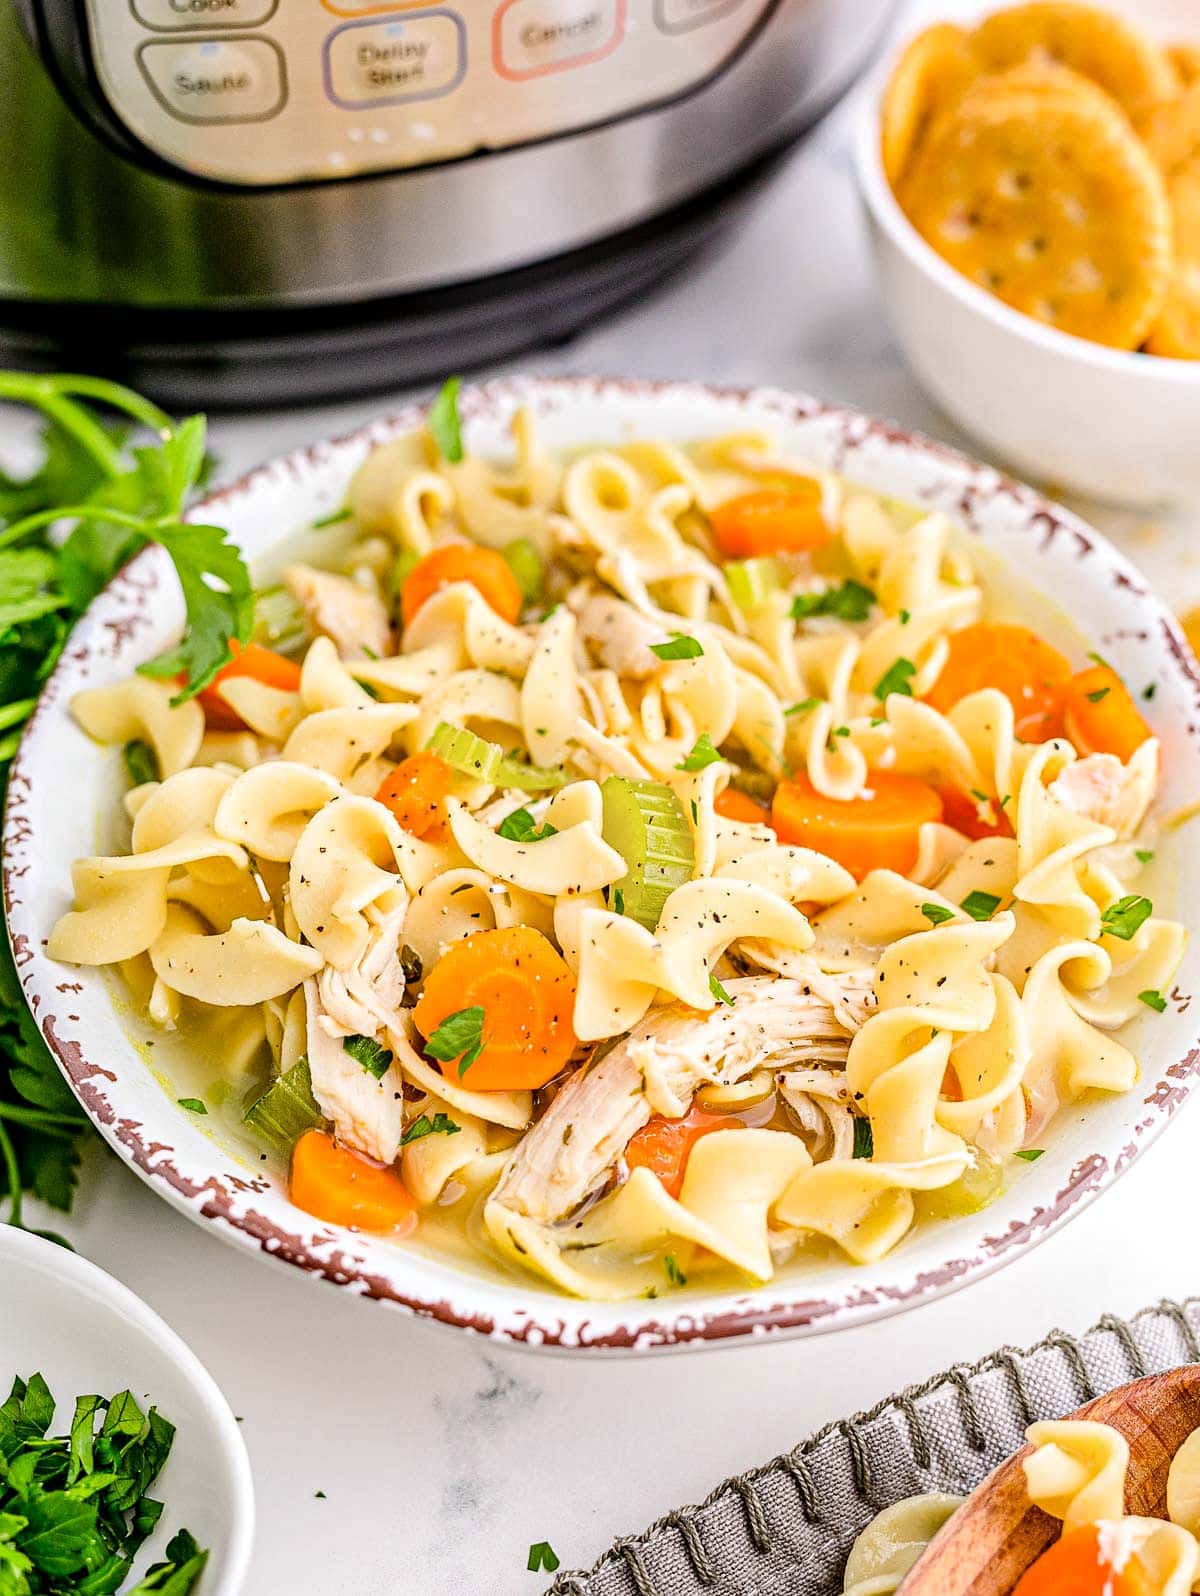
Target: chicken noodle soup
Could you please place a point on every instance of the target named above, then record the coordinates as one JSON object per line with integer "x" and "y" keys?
{"x": 645, "y": 865}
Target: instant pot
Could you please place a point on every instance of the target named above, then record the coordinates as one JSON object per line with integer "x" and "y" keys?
{"x": 233, "y": 201}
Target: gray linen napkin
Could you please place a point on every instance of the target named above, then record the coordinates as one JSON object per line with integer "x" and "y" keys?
{"x": 785, "y": 1529}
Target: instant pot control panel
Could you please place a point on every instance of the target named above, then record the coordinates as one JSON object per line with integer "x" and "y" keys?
{"x": 279, "y": 91}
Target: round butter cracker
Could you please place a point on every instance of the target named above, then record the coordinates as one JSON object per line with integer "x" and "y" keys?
{"x": 931, "y": 73}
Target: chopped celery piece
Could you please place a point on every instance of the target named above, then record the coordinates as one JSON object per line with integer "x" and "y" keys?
{"x": 644, "y": 821}
{"x": 287, "y": 1109}
{"x": 279, "y": 622}
{"x": 751, "y": 582}
{"x": 977, "y": 1186}
{"x": 526, "y": 565}
{"x": 466, "y": 753}
{"x": 754, "y": 783}
{"x": 402, "y": 570}
{"x": 529, "y": 778}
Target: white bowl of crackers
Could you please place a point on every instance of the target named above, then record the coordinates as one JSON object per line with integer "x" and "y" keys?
{"x": 1033, "y": 181}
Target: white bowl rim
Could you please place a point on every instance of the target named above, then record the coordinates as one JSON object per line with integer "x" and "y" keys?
{"x": 238, "y": 1545}
{"x": 783, "y": 1307}
{"x": 885, "y": 208}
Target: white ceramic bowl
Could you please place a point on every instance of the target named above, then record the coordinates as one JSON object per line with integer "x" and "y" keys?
{"x": 51, "y": 820}
{"x": 84, "y": 1332}
{"x": 1108, "y": 423}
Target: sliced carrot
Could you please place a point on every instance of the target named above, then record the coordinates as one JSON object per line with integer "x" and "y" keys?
{"x": 337, "y": 1185}
{"x": 961, "y": 810}
{"x": 527, "y": 993}
{"x": 878, "y": 831}
{"x": 771, "y": 521}
{"x": 1100, "y": 716}
{"x": 486, "y": 571}
{"x": 663, "y": 1146}
{"x": 734, "y": 805}
{"x": 414, "y": 792}
{"x": 260, "y": 665}
{"x": 1080, "y": 1565}
{"x": 1026, "y": 669}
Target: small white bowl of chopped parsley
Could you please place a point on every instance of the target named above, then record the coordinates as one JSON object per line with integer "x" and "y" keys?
{"x": 125, "y": 1472}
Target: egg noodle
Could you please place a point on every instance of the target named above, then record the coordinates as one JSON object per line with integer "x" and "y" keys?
{"x": 646, "y": 903}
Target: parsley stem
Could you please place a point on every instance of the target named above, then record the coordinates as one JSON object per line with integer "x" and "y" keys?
{"x": 87, "y": 432}
{"x": 16, "y": 530}
{"x": 43, "y": 1119}
{"x": 12, "y": 1172}
{"x": 14, "y": 714}
{"x": 25, "y": 388}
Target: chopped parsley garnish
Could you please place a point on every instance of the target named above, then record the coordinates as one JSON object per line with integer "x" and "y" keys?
{"x": 849, "y": 602}
{"x": 445, "y": 427}
{"x": 459, "y": 1036}
{"x": 75, "y": 1509}
{"x": 674, "y": 1273}
{"x": 141, "y": 763}
{"x": 520, "y": 826}
{"x": 896, "y": 679}
{"x": 1029, "y": 1154}
{"x": 194, "y": 1105}
{"x": 1101, "y": 692}
{"x": 1099, "y": 659}
{"x": 803, "y": 707}
{"x": 439, "y": 1125}
{"x": 703, "y": 753}
{"x": 841, "y": 731}
{"x": 410, "y": 964}
{"x": 718, "y": 991}
{"x": 1143, "y": 855}
{"x": 905, "y": 617}
{"x": 1153, "y": 1000}
{"x": 1149, "y": 692}
{"x": 680, "y": 647}
{"x": 936, "y": 914}
{"x": 1125, "y": 918}
{"x": 980, "y": 905}
{"x": 618, "y": 900}
{"x": 864, "y": 1139}
{"x": 333, "y": 517}
{"x": 372, "y": 1055}
{"x": 542, "y": 1558}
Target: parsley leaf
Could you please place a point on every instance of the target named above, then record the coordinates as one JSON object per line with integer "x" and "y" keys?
{"x": 674, "y": 1273}
{"x": 1029, "y": 1154}
{"x": 1153, "y": 1000}
{"x": 439, "y": 1125}
{"x": 542, "y": 1558}
{"x": 1143, "y": 855}
{"x": 372, "y": 1055}
{"x": 333, "y": 518}
{"x": 896, "y": 679}
{"x": 194, "y": 1105}
{"x": 803, "y": 707}
{"x": 864, "y": 1139}
{"x": 702, "y": 754}
{"x": 141, "y": 763}
{"x": 980, "y": 905}
{"x": 618, "y": 901}
{"x": 520, "y": 826}
{"x": 680, "y": 647}
{"x": 849, "y": 602}
{"x": 445, "y": 427}
{"x": 936, "y": 914}
{"x": 220, "y": 604}
{"x": 459, "y": 1036}
{"x": 1101, "y": 692}
{"x": 718, "y": 991}
{"x": 1125, "y": 918}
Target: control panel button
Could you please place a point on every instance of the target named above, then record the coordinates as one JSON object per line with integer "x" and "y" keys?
{"x": 680, "y": 16}
{"x": 215, "y": 80}
{"x": 166, "y": 15}
{"x": 362, "y": 8}
{"x": 533, "y": 37}
{"x": 417, "y": 56}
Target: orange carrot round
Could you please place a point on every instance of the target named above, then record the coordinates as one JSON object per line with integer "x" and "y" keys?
{"x": 414, "y": 792}
{"x": 1100, "y": 716}
{"x": 487, "y": 571}
{"x": 1026, "y": 669}
{"x": 527, "y": 993}
{"x": 663, "y": 1146}
{"x": 258, "y": 663}
{"x": 877, "y": 831}
{"x": 337, "y": 1185}
{"x": 734, "y": 805}
{"x": 961, "y": 810}
{"x": 1080, "y": 1565}
{"x": 771, "y": 521}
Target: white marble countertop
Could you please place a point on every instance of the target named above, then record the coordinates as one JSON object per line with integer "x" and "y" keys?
{"x": 442, "y": 1458}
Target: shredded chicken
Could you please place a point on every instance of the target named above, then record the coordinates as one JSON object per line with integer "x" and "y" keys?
{"x": 370, "y": 994}
{"x": 354, "y": 617}
{"x": 819, "y": 1101}
{"x": 618, "y": 636}
{"x": 658, "y": 1068}
{"x": 1108, "y": 792}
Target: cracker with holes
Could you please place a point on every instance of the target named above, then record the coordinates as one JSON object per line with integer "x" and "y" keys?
{"x": 1172, "y": 132}
{"x": 930, "y": 75}
{"x": 1049, "y": 200}
{"x": 1176, "y": 333}
{"x": 1126, "y": 63}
